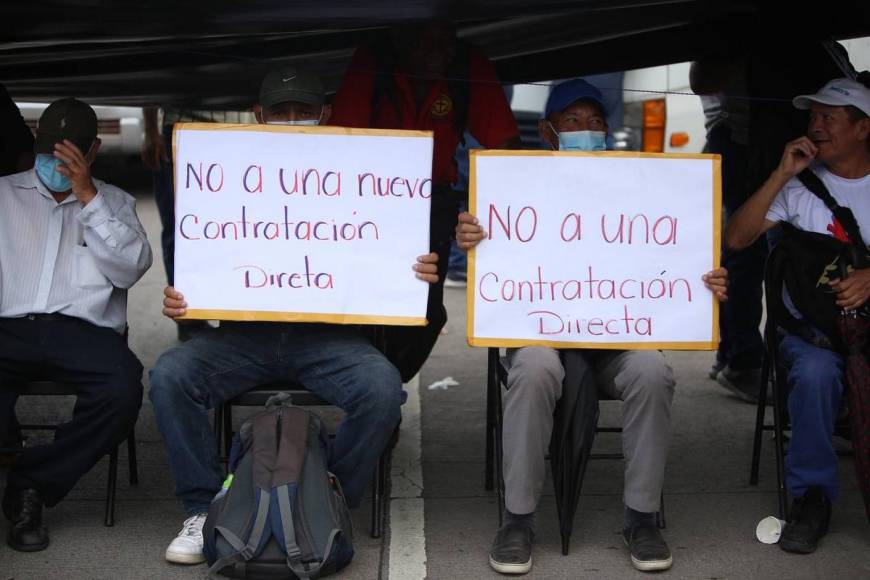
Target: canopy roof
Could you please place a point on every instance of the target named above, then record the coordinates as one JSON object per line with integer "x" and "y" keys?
{"x": 213, "y": 54}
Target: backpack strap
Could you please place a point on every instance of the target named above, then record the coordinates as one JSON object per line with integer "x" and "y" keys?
{"x": 294, "y": 553}
{"x": 843, "y": 214}
{"x": 244, "y": 551}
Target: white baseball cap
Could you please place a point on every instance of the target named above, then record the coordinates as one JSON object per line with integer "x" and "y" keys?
{"x": 838, "y": 93}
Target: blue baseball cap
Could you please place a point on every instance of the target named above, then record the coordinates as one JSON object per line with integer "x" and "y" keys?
{"x": 564, "y": 94}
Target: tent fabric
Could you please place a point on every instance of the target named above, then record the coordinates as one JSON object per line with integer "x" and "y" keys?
{"x": 213, "y": 54}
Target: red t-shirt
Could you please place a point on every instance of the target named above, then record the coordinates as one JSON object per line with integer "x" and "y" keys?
{"x": 490, "y": 119}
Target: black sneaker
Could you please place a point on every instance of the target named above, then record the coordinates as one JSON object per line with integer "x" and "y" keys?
{"x": 649, "y": 551}
{"x": 742, "y": 383}
{"x": 714, "y": 370}
{"x": 808, "y": 521}
{"x": 512, "y": 549}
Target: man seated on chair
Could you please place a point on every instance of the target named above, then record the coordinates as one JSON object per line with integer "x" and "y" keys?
{"x": 575, "y": 120}
{"x": 837, "y": 150}
{"x": 70, "y": 247}
{"x": 336, "y": 363}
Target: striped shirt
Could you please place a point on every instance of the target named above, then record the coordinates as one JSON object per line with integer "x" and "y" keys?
{"x": 67, "y": 258}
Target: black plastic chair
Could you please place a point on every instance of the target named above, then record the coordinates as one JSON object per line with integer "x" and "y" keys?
{"x": 257, "y": 397}
{"x": 52, "y": 388}
{"x": 497, "y": 372}
{"x": 774, "y": 374}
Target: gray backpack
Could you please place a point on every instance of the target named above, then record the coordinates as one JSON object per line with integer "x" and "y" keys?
{"x": 280, "y": 514}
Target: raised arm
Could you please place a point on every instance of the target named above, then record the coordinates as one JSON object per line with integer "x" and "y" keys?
{"x": 749, "y": 222}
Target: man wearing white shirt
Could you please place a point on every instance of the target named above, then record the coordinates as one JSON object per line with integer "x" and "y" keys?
{"x": 70, "y": 247}
{"x": 837, "y": 149}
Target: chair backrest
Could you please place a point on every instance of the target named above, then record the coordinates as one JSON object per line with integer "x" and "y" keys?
{"x": 260, "y": 394}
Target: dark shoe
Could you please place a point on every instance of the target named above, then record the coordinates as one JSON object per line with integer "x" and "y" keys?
{"x": 24, "y": 509}
{"x": 512, "y": 549}
{"x": 807, "y": 522}
{"x": 9, "y": 452}
{"x": 649, "y": 551}
{"x": 188, "y": 329}
{"x": 714, "y": 370}
{"x": 742, "y": 383}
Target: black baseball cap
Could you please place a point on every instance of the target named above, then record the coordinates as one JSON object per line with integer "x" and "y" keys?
{"x": 66, "y": 119}
{"x": 287, "y": 83}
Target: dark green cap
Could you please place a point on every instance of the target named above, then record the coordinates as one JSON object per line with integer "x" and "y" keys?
{"x": 287, "y": 83}
{"x": 66, "y": 119}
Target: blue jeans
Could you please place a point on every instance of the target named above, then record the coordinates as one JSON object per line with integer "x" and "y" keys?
{"x": 336, "y": 363}
{"x": 815, "y": 380}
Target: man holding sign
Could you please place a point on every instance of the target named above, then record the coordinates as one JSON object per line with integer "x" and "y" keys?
{"x": 575, "y": 121}
{"x": 337, "y": 363}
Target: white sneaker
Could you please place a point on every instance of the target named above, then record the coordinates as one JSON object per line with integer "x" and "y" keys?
{"x": 186, "y": 548}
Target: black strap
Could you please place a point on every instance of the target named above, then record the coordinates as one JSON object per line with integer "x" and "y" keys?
{"x": 843, "y": 214}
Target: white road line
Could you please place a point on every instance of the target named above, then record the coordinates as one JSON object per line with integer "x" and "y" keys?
{"x": 407, "y": 525}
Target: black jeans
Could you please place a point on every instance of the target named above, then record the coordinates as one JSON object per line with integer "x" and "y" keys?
{"x": 740, "y": 344}
{"x": 164, "y": 197}
{"x": 108, "y": 382}
{"x": 408, "y": 347}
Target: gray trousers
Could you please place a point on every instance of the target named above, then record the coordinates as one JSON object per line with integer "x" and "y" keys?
{"x": 644, "y": 382}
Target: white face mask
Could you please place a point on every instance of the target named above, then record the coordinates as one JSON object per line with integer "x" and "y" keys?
{"x": 299, "y": 122}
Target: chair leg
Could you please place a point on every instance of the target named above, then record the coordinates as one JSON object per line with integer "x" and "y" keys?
{"x": 660, "y": 515}
{"x": 778, "y": 407}
{"x": 110, "y": 489}
{"x": 759, "y": 421}
{"x": 217, "y": 423}
{"x": 491, "y": 388}
{"x": 227, "y": 421}
{"x": 378, "y": 496}
{"x": 131, "y": 457}
{"x": 499, "y": 453}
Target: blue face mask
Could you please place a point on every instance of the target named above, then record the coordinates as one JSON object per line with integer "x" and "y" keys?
{"x": 582, "y": 141}
{"x": 45, "y": 168}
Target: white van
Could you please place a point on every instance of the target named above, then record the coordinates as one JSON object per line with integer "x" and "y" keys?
{"x": 659, "y": 111}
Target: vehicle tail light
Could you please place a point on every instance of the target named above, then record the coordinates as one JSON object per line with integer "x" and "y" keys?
{"x": 679, "y": 139}
{"x": 654, "y": 126}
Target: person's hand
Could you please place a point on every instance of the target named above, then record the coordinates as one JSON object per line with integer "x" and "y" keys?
{"x": 469, "y": 232}
{"x": 426, "y": 268}
{"x": 797, "y": 156}
{"x": 77, "y": 168}
{"x": 716, "y": 282}
{"x": 173, "y": 303}
{"x": 854, "y": 291}
{"x": 154, "y": 151}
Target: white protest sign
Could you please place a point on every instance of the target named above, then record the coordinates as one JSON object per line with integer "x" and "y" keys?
{"x": 602, "y": 250}
{"x": 301, "y": 223}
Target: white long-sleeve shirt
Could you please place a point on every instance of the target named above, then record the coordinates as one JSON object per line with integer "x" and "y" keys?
{"x": 68, "y": 258}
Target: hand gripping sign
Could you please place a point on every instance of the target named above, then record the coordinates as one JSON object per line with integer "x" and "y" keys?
{"x": 600, "y": 250}
{"x": 318, "y": 224}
